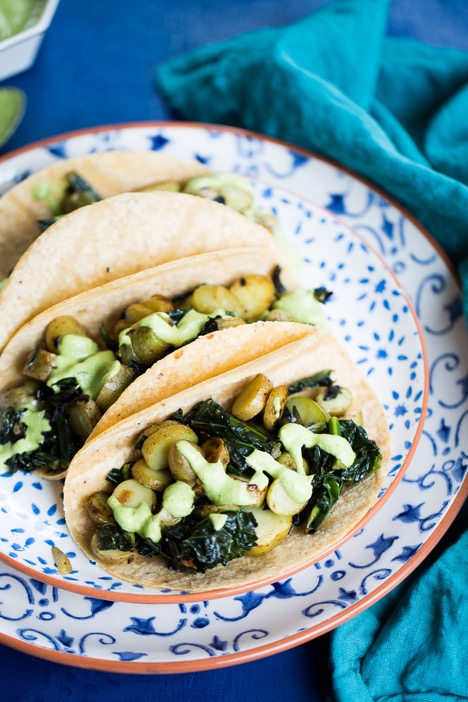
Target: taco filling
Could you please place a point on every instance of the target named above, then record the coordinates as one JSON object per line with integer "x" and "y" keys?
{"x": 71, "y": 379}
{"x": 73, "y": 191}
{"x": 212, "y": 485}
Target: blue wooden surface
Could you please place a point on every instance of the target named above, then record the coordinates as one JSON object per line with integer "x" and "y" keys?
{"x": 95, "y": 67}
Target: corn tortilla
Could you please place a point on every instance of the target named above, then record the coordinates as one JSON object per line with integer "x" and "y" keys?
{"x": 316, "y": 351}
{"x": 115, "y": 238}
{"x": 110, "y": 173}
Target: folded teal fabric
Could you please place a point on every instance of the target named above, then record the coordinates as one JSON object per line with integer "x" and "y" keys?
{"x": 412, "y": 645}
{"x": 391, "y": 109}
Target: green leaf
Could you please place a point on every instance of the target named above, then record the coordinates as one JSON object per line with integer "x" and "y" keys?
{"x": 12, "y": 104}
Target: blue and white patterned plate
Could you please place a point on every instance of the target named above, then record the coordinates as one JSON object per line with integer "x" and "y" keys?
{"x": 369, "y": 313}
{"x": 91, "y": 632}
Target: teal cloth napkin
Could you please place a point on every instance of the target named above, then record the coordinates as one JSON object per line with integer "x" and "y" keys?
{"x": 391, "y": 109}
{"x": 395, "y": 111}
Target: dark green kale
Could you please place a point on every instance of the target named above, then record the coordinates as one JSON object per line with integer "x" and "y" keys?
{"x": 368, "y": 456}
{"x": 12, "y": 428}
{"x": 321, "y": 379}
{"x": 78, "y": 193}
{"x": 176, "y": 315}
{"x": 118, "y": 475}
{"x": 195, "y": 545}
{"x": 329, "y": 479}
{"x": 322, "y": 294}
{"x": 209, "y": 419}
{"x": 279, "y": 287}
{"x": 110, "y": 537}
{"x": 46, "y": 223}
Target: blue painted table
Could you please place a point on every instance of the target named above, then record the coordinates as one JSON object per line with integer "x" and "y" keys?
{"x": 95, "y": 68}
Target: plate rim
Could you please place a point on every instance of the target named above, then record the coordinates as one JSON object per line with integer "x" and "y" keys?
{"x": 176, "y": 598}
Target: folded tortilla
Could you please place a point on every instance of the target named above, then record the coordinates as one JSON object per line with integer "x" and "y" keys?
{"x": 115, "y": 238}
{"x": 110, "y": 173}
{"x": 316, "y": 351}
{"x": 213, "y": 354}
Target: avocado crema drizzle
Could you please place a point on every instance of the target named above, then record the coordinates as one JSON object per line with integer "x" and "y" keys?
{"x": 213, "y": 485}
{"x": 71, "y": 379}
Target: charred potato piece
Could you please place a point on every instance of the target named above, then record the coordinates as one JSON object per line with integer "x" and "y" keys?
{"x": 114, "y": 387}
{"x": 40, "y": 365}
{"x": 271, "y": 529}
{"x": 208, "y": 298}
{"x": 275, "y": 405}
{"x": 216, "y": 450}
{"x": 157, "y": 480}
{"x": 156, "y": 447}
{"x": 229, "y": 322}
{"x": 335, "y": 400}
{"x": 279, "y": 501}
{"x": 83, "y": 414}
{"x": 113, "y": 556}
{"x": 255, "y": 294}
{"x": 180, "y": 467}
{"x": 132, "y": 493}
{"x": 60, "y": 326}
{"x": 98, "y": 509}
{"x": 252, "y": 398}
{"x": 140, "y": 310}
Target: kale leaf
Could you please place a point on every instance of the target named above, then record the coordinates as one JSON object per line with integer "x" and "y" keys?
{"x": 368, "y": 456}
{"x": 110, "y": 537}
{"x": 118, "y": 475}
{"x": 209, "y": 419}
{"x": 320, "y": 379}
{"x": 195, "y": 545}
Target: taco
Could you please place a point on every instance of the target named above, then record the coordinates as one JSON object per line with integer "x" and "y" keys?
{"x": 33, "y": 204}
{"x": 237, "y": 480}
{"x": 90, "y": 361}
{"x": 114, "y": 238}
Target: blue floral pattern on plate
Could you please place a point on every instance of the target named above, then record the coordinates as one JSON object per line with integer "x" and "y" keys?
{"x": 46, "y": 617}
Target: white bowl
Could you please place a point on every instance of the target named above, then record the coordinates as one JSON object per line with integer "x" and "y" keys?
{"x": 18, "y": 52}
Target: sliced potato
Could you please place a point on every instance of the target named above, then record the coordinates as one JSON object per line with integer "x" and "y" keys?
{"x": 112, "y": 556}
{"x": 335, "y": 400}
{"x": 40, "y": 365}
{"x": 179, "y": 466}
{"x": 60, "y": 326}
{"x": 208, "y": 298}
{"x": 279, "y": 501}
{"x": 271, "y": 529}
{"x": 131, "y": 493}
{"x": 229, "y": 322}
{"x": 145, "y": 347}
{"x": 140, "y": 310}
{"x": 255, "y": 294}
{"x": 156, "y": 447}
{"x": 216, "y": 450}
{"x": 157, "y": 480}
{"x": 274, "y": 407}
{"x": 309, "y": 411}
{"x": 252, "y": 398}
{"x": 114, "y": 387}
{"x": 98, "y": 509}
{"x": 83, "y": 414}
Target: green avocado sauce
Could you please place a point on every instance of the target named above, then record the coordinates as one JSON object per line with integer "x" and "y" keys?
{"x": 223, "y": 489}
{"x": 37, "y": 425}
{"x": 79, "y": 357}
{"x": 294, "y": 437}
{"x": 303, "y": 307}
{"x": 18, "y": 15}
{"x": 178, "y": 501}
{"x": 176, "y": 335}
